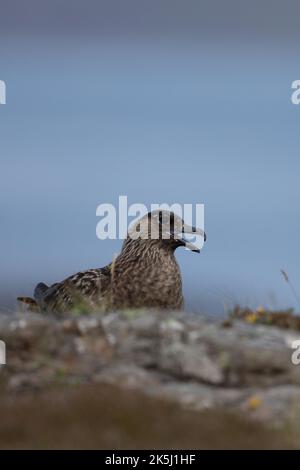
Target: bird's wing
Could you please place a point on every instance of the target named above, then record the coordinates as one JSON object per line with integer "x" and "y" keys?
{"x": 86, "y": 287}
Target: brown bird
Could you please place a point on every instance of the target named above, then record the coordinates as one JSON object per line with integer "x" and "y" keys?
{"x": 144, "y": 274}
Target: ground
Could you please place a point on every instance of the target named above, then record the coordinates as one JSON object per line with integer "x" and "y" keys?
{"x": 149, "y": 379}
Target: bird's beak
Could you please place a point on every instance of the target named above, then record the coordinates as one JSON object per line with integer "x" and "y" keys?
{"x": 189, "y": 230}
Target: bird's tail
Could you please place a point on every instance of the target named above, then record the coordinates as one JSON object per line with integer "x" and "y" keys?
{"x": 30, "y": 303}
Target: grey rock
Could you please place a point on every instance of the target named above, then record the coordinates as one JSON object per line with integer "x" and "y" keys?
{"x": 180, "y": 357}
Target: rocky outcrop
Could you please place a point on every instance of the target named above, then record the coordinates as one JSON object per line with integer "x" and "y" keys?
{"x": 183, "y": 358}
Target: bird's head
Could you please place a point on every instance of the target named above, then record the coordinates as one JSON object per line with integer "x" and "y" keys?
{"x": 166, "y": 229}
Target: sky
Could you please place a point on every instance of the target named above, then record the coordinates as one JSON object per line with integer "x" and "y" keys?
{"x": 186, "y": 102}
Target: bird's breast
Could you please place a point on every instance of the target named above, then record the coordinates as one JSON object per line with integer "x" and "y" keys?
{"x": 145, "y": 283}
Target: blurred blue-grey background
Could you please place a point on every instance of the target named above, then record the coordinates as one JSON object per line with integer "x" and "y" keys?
{"x": 163, "y": 101}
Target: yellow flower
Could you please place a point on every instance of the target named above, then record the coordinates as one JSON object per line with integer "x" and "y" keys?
{"x": 251, "y": 318}
{"x": 254, "y": 402}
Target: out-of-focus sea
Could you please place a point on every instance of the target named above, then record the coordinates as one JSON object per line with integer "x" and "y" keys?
{"x": 89, "y": 120}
